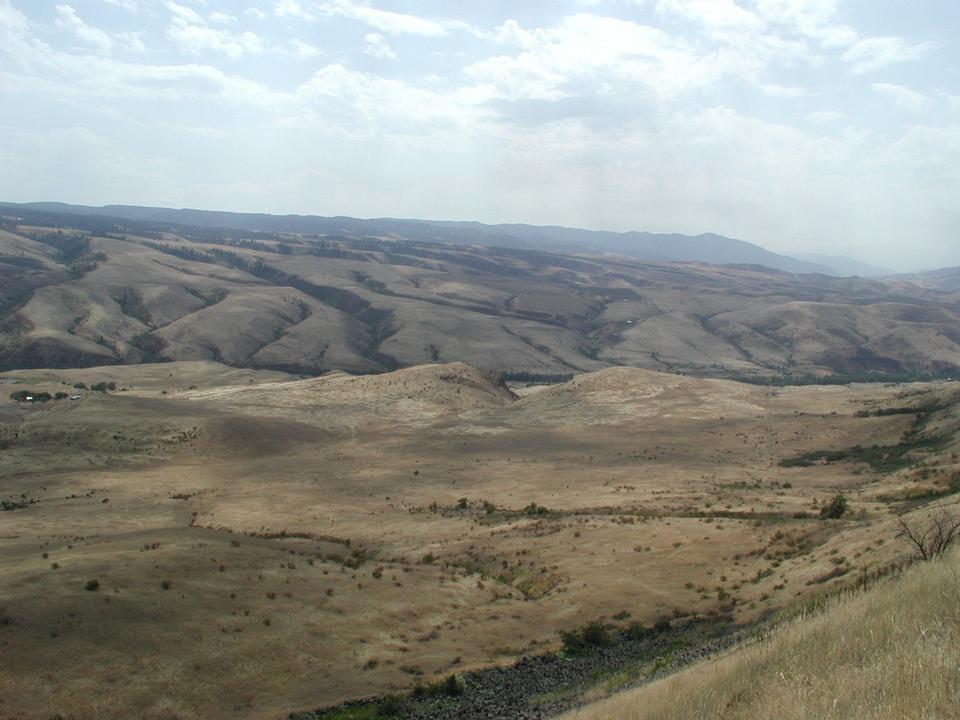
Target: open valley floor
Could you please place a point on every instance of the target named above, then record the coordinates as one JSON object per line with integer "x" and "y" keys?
{"x": 205, "y": 541}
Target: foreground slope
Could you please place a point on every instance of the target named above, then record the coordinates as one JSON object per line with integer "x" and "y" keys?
{"x": 887, "y": 653}
{"x": 104, "y": 294}
{"x": 263, "y": 543}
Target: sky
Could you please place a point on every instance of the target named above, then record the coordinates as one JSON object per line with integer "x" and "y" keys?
{"x": 805, "y": 126}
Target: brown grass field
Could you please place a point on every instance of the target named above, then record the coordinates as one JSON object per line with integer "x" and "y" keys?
{"x": 264, "y": 544}
{"x": 890, "y": 653}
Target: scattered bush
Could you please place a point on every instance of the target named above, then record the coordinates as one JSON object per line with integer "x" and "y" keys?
{"x": 392, "y": 706}
{"x": 662, "y": 625}
{"x": 451, "y": 686}
{"x": 584, "y": 640}
{"x": 638, "y": 631}
{"x": 835, "y": 508}
{"x": 92, "y": 585}
{"x": 534, "y": 509}
{"x": 931, "y": 536}
{"x": 22, "y": 395}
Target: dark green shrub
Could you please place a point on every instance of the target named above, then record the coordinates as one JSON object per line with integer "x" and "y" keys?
{"x": 662, "y": 625}
{"x": 451, "y": 686}
{"x": 92, "y": 585}
{"x": 584, "y": 640}
{"x": 392, "y": 706}
{"x": 638, "y": 631}
{"x": 835, "y": 508}
{"x": 21, "y": 395}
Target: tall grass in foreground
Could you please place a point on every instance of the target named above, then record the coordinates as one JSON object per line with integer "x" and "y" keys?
{"x": 891, "y": 652}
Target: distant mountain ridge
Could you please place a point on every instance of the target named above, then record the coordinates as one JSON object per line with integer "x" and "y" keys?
{"x": 846, "y": 266}
{"x": 707, "y": 247}
{"x": 81, "y": 290}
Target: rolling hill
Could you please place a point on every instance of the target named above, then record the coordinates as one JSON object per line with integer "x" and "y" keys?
{"x": 708, "y": 247}
{"x": 81, "y": 290}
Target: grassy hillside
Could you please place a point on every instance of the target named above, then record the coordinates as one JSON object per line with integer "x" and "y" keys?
{"x": 264, "y": 543}
{"x": 102, "y": 294}
{"x": 890, "y": 652}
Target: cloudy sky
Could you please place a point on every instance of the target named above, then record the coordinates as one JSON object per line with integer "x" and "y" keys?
{"x": 801, "y": 125}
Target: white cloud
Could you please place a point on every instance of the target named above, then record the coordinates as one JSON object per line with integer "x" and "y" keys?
{"x": 824, "y": 117}
{"x": 197, "y": 39}
{"x": 748, "y": 43}
{"x": 305, "y": 51}
{"x": 132, "y": 41}
{"x": 255, "y": 13}
{"x": 815, "y": 19}
{"x": 67, "y": 19}
{"x": 192, "y": 35}
{"x": 783, "y": 91}
{"x": 589, "y": 50}
{"x": 902, "y": 96}
{"x": 351, "y": 104}
{"x": 222, "y": 18}
{"x": 714, "y": 14}
{"x": 183, "y": 12}
{"x": 875, "y": 53}
{"x": 291, "y": 9}
{"x": 128, "y": 5}
{"x": 392, "y": 23}
{"x": 375, "y": 46}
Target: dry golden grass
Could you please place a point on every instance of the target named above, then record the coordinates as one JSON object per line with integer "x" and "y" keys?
{"x": 891, "y": 652}
{"x": 242, "y": 489}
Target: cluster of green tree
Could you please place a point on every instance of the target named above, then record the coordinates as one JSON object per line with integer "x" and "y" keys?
{"x": 230, "y": 259}
{"x": 847, "y": 378}
{"x": 131, "y": 304}
{"x": 226, "y": 236}
{"x": 323, "y": 247}
{"x": 31, "y": 396}
{"x": 908, "y": 410}
{"x": 94, "y": 224}
{"x": 69, "y": 247}
{"x": 536, "y": 378}
{"x": 101, "y": 386}
{"x": 183, "y": 253}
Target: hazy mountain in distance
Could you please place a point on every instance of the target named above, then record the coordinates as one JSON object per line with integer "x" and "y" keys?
{"x": 845, "y": 266}
{"x": 708, "y": 247}
{"x": 942, "y": 279}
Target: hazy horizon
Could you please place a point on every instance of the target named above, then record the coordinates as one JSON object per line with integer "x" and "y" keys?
{"x": 804, "y": 127}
